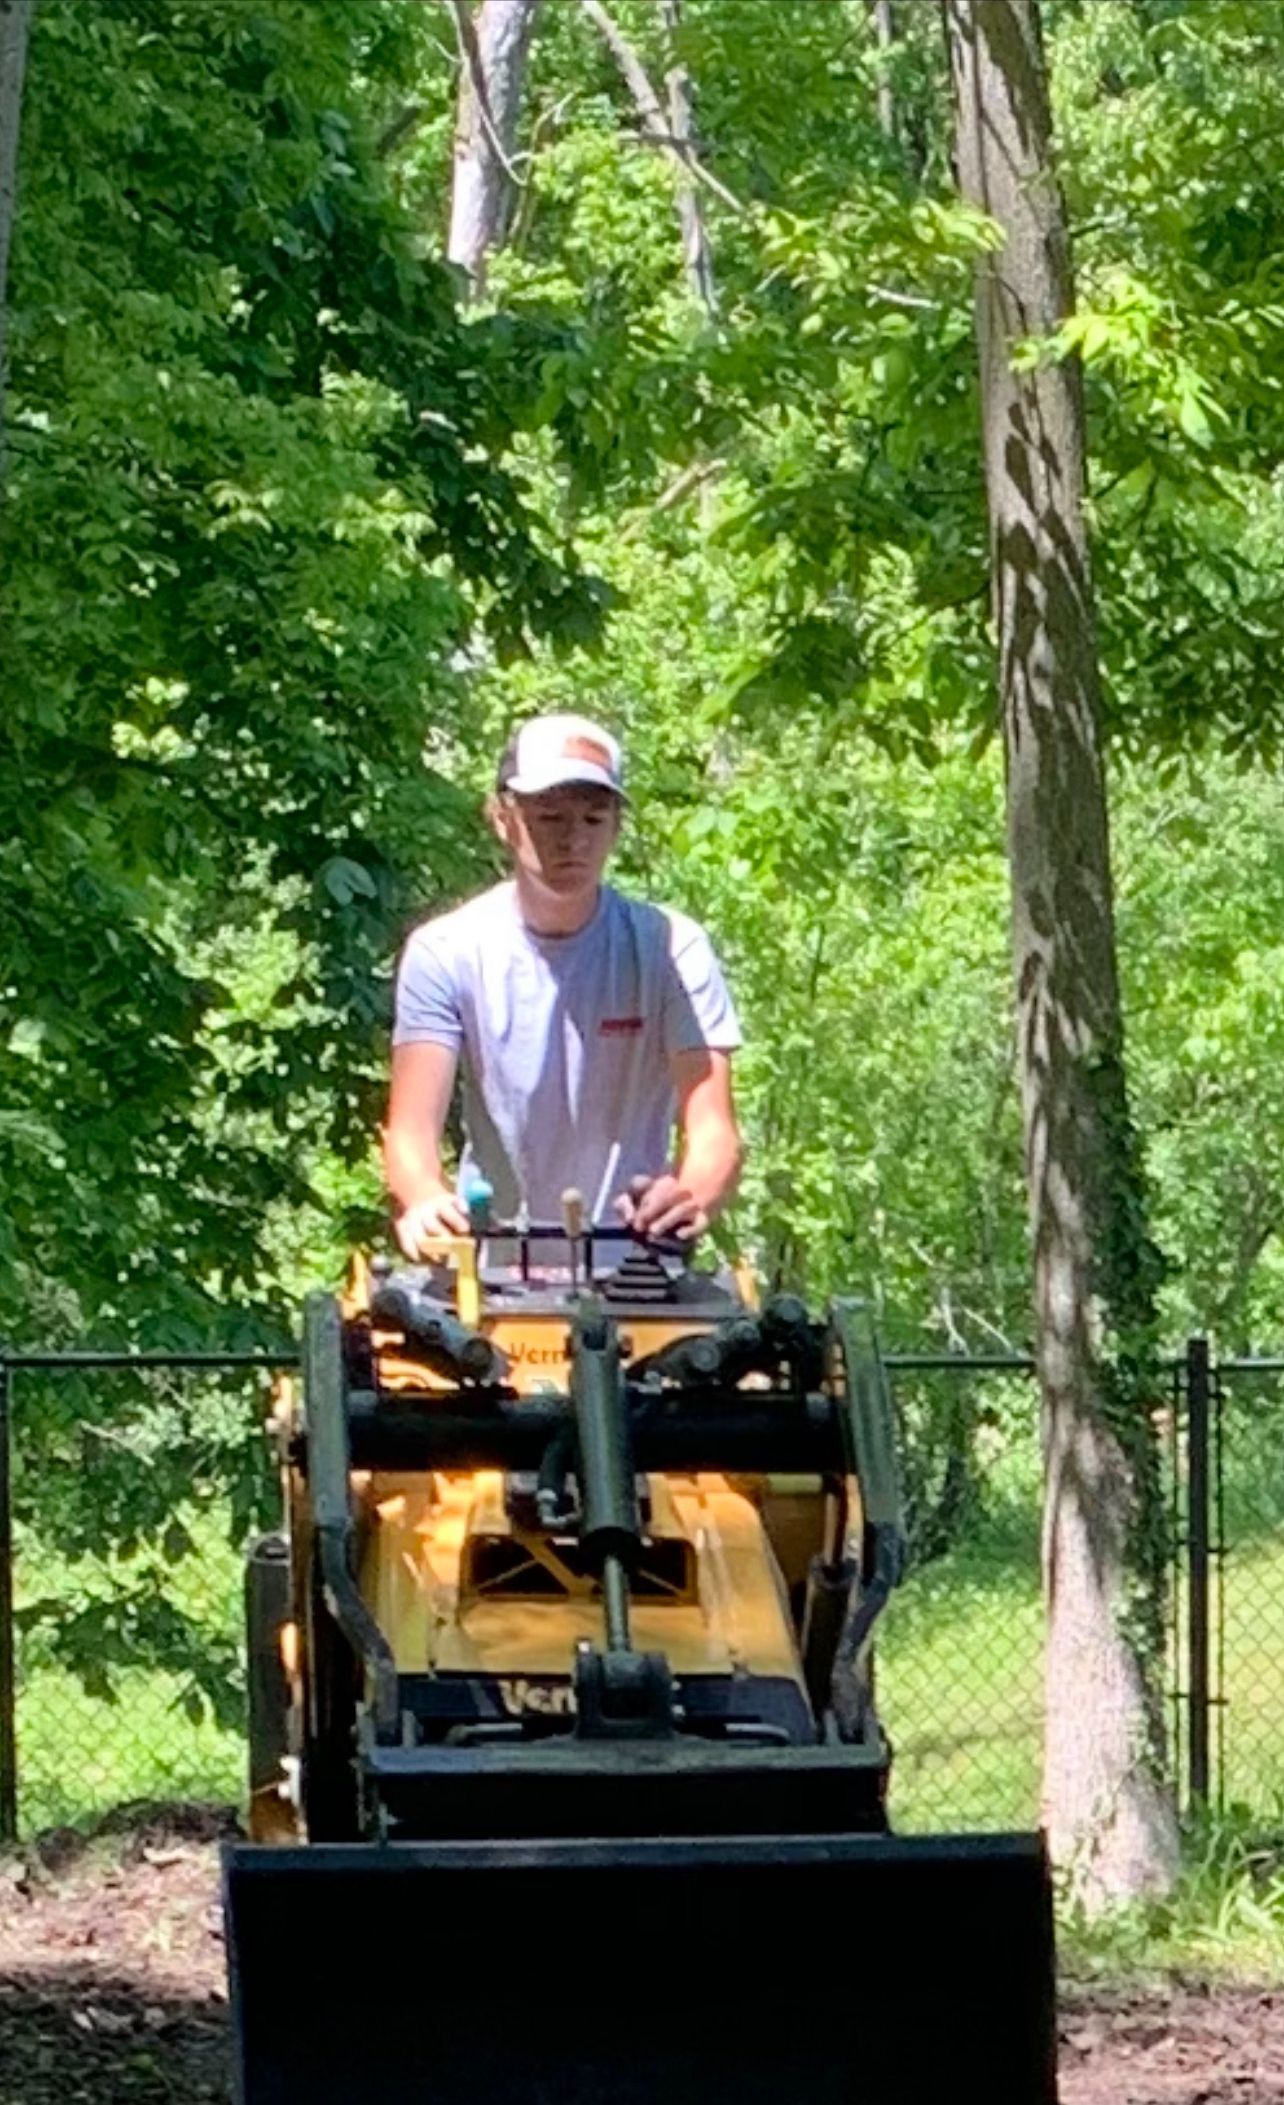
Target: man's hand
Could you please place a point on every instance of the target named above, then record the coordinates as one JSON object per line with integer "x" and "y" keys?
{"x": 662, "y": 1206}
{"x": 438, "y": 1213}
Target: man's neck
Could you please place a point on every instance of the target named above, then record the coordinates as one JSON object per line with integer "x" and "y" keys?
{"x": 547, "y": 914}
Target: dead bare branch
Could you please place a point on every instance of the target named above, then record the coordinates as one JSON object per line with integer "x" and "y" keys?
{"x": 657, "y": 130}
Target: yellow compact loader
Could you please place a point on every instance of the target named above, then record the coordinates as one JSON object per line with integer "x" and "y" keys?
{"x": 567, "y": 1784}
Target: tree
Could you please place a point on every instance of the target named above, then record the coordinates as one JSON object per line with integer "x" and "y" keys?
{"x": 15, "y": 29}
{"x": 1111, "y": 1820}
{"x": 493, "y": 50}
{"x": 257, "y": 507}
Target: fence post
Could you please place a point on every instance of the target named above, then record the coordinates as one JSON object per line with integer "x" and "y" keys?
{"x": 1198, "y": 1395}
{"x": 8, "y": 1693}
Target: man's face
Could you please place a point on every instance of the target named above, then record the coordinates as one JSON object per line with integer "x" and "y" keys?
{"x": 562, "y": 837}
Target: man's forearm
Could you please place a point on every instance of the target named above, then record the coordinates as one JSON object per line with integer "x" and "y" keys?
{"x": 709, "y": 1168}
{"x": 411, "y": 1165}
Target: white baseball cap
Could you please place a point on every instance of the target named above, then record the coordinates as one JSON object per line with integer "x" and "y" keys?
{"x": 550, "y": 751}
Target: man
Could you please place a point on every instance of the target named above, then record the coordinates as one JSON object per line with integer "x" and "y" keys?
{"x": 586, "y": 1023}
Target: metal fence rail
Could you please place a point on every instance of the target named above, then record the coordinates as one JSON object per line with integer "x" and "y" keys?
{"x": 959, "y": 1666}
{"x": 1238, "y": 1510}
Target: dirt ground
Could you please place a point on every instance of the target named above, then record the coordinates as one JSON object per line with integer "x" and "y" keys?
{"x": 112, "y": 1989}
{"x": 111, "y": 1965}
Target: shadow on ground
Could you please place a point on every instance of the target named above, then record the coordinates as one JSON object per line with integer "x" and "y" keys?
{"x": 112, "y": 1976}
{"x": 70, "y": 2037}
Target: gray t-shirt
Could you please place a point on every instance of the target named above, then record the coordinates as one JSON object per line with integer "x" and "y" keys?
{"x": 564, "y": 1040}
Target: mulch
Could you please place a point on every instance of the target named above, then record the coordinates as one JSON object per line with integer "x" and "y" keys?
{"x": 112, "y": 1974}
{"x": 112, "y": 1987}
{"x": 1213, "y": 2043}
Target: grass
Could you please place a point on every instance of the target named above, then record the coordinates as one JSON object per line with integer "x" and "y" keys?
{"x": 79, "y": 1756}
{"x": 959, "y": 1689}
{"x": 959, "y": 1685}
{"x": 154, "y": 1735}
{"x": 1224, "y": 1920}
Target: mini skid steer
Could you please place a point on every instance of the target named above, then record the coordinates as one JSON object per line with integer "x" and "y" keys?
{"x": 567, "y": 1784}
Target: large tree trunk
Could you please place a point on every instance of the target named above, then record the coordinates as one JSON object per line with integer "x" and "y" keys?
{"x": 494, "y": 44}
{"x": 15, "y": 29}
{"x": 1110, "y": 1817}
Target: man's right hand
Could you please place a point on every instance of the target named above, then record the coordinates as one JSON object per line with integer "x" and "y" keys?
{"x": 436, "y": 1214}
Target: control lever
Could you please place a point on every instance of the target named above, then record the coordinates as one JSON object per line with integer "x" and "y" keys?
{"x": 573, "y": 1226}
{"x": 477, "y": 1200}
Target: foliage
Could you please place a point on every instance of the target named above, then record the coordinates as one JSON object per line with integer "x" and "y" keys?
{"x": 256, "y": 512}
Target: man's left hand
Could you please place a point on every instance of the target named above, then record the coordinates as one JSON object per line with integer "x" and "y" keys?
{"x": 664, "y": 1206}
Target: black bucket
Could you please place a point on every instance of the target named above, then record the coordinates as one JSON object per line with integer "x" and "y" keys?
{"x": 763, "y": 1970}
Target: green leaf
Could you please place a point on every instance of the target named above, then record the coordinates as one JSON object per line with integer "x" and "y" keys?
{"x": 346, "y": 880}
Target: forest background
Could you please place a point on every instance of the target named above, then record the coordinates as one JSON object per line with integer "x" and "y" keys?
{"x": 294, "y": 527}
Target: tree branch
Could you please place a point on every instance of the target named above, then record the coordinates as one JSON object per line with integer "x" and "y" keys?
{"x": 400, "y": 127}
{"x": 885, "y": 33}
{"x": 693, "y": 477}
{"x": 655, "y": 122}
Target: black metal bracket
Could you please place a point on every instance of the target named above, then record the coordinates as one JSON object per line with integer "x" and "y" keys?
{"x": 623, "y": 1695}
{"x": 325, "y": 1411}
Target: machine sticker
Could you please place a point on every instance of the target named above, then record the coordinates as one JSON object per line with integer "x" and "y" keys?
{"x": 522, "y": 1353}
{"x": 544, "y": 1699}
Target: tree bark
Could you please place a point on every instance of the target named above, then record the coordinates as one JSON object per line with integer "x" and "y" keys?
{"x": 1110, "y": 1817}
{"x": 15, "y": 31}
{"x": 885, "y": 37}
{"x": 697, "y": 254}
{"x": 494, "y": 45}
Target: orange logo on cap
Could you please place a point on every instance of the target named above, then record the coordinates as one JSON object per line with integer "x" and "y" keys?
{"x": 580, "y": 748}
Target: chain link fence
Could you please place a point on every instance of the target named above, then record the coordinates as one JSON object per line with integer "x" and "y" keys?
{"x": 1244, "y": 1621}
{"x": 133, "y": 1488}
{"x": 959, "y": 1671}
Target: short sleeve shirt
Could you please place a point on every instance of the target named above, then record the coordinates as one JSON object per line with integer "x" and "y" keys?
{"x": 564, "y": 1041}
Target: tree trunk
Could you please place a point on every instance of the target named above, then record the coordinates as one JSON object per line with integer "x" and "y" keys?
{"x": 493, "y": 48}
{"x": 15, "y": 29}
{"x": 1110, "y": 1818}
{"x": 697, "y": 253}
{"x": 885, "y": 36}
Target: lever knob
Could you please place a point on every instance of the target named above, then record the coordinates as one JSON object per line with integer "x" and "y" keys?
{"x": 477, "y": 1198}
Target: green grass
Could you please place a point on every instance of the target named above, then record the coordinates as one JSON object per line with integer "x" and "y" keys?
{"x": 152, "y": 1734}
{"x": 1225, "y": 1919}
{"x": 959, "y": 1687}
{"x": 78, "y": 1756}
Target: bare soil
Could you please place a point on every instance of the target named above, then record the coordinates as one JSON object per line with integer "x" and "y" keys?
{"x": 112, "y": 1988}
{"x": 112, "y": 1979}
{"x": 1184, "y": 2045}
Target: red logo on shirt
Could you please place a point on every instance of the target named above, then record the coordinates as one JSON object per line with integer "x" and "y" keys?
{"x": 620, "y": 1026}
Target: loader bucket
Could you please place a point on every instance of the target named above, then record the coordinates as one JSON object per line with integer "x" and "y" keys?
{"x": 767, "y": 1970}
